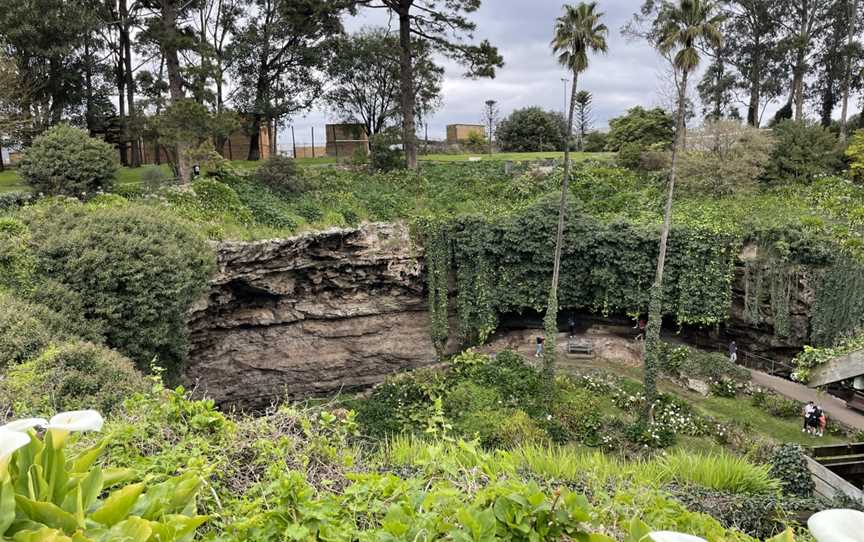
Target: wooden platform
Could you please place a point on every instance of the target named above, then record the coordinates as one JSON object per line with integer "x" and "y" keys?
{"x": 838, "y": 469}
{"x": 838, "y": 369}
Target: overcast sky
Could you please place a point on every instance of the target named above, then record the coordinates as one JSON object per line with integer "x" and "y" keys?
{"x": 630, "y": 74}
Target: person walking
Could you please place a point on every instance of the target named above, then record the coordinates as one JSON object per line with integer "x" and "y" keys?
{"x": 808, "y": 412}
{"x": 823, "y": 421}
{"x": 571, "y": 323}
{"x": 539, "y": 352}
{"x": 733, "y": 352}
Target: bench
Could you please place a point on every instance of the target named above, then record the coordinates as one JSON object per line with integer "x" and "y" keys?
{"x": 580, "y": 347}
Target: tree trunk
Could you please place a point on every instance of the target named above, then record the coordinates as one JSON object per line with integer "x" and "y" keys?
{"x": 121, "y": 103}
{"x": 406, "y": 87}
{"x": 755, "y": 85}
{"x": 551, "y": 319}
{"x": 847, "y": 77}
{"x": 655, "y": 307}
{"x": 126, "y": 43}
{"x": 255, "y": 139}
{"x": 798, "y": 71}
{"x": 2, "y": 163}
{"x": 175, "y": 80}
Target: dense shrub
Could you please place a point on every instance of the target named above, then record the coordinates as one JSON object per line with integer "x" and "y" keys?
{"x": 644, "y": 127}
{"x": 682, "y": 362}
{"x": 729, "y": 158}
{"x": 575, "y": 416}
{"x": 153, "y": 178}
{"x": 630, "y": 156}
{"x": 137, "y": 270}
{"x": 594, "y": 142}
{"x": 267, "y": 208}
{"x": 385, "y": 152}
{"x": 12, "y": 201}
{"x": 65, "y": 160}
{"x": 17, "y": 263}
{"x": 25, "y": 329}
{"x": 217, "y": 199}
{"x": 310, "y": 211}
{"x": 279, "y": 173}
{"x": 790, "y": 467}
{"x": 532, "y": 130}
{"x": 803, "y": 151}
{"x": 775, "y": 404}
{"x": 71, "y": 376}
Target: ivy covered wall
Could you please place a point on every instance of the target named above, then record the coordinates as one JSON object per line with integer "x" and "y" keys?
{"x": 503, "y": 264}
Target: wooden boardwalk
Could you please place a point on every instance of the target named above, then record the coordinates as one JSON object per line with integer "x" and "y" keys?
{"x": 835, "y": 408}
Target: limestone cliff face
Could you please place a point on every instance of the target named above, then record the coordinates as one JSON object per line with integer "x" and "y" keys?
{"x": 310, "y": 315}
{"x": 342, "y": 309}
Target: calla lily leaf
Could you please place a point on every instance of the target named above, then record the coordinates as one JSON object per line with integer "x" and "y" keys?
{"x": 671, "y": 536}
{"x": 837, "y": 525}
{"x": 22, "y": 426}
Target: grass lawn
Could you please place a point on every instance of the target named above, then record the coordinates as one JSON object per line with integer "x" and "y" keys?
{"x": 10, "y": 181}
{"x": 514, "y": 156}
{"x": 724, "y": 409}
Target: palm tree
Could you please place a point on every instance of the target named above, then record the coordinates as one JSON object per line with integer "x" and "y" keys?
{"x": 683, "y": 28}
{"x": 577, "y": 33}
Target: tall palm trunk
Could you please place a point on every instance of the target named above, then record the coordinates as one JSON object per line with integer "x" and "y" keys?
{"x": 551, "y": 320}
{"x": 847, "y": 77}
{"x": 655, "y": 307}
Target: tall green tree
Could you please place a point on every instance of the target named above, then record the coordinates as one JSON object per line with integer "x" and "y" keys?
{"x": 753, "y": 50}
{"x": 277, "y": 58}
{"x": 167, "y": 26}
{"x": 684, "y": 28}
{"x": 577, "y": 33}
{"x": 364, "y": 79}
{"x": 445, "y": 27}
{"x": 803, "y": 22}
{"x": 44, "y": 41}
{"x": 829, "y": 63}
{"x": 852, "y": 50}
{"x": 584, "y": 118}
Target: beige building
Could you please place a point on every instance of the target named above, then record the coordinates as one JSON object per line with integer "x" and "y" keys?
{"x": 459, "y": 133}
{"x": 343, "y": 140}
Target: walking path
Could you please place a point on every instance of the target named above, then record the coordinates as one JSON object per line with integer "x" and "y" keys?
{"x": 834, "y": 407}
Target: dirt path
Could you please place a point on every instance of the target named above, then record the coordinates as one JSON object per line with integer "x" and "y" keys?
{"x": 834, "y": 407}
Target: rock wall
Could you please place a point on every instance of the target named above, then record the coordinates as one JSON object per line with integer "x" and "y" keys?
{"x": 342, "y": 309}
{"x": 310, "y": 315}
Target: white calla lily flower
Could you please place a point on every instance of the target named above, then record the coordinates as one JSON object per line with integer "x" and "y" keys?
{"x": 22, "y": 426}
{"x": 837, "y": 525}
{"x": 10, "y": 442}
{"x": 72, "y": 422}
{"x": 672, "y": 536}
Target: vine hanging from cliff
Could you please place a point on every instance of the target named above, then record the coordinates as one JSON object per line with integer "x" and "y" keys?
{"x": 438, "y": 273}
{"x": 839, "y": 309}
{"x": 502, "y": 265}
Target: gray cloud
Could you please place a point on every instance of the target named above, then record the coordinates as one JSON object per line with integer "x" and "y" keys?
{"x": 628, "y": 75}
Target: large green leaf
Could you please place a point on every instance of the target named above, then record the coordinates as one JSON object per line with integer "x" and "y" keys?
{"x": 7, "y": 505}
{"x": 87, "y": 458}
{"x": 48, "y": 514}
{"x": 45, "y": 534}
{"x": 118, "y": 505}
{"x": 130, "y": 530}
